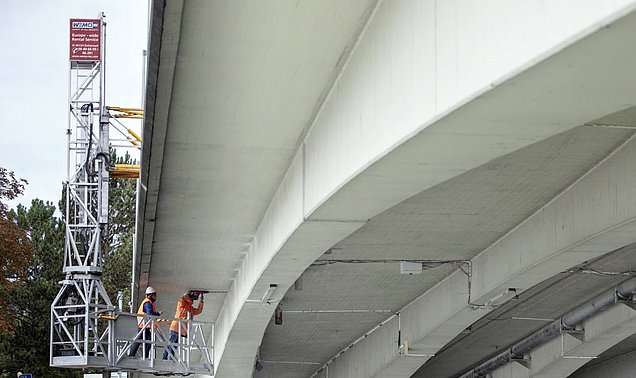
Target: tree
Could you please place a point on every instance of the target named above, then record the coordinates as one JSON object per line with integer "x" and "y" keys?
{"x": 10, "y": 188}
{"x": 27, "y": 346}
{"x": 118, "y": 247}
{"x": 14, "y": 245}
{"x": 31, "y": 254}
{"x": 31, "y": 250}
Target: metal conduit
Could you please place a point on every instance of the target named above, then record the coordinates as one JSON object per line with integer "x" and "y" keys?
{"x": 544, "y": 334}
{"x": 625, "y": 290}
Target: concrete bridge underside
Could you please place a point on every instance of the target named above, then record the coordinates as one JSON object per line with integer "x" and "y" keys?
{"x": 318, "y": 143}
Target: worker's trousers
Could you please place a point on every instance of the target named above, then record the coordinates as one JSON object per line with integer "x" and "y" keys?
{"x": 146, "y": 335}
{"x": 174, "y": 339}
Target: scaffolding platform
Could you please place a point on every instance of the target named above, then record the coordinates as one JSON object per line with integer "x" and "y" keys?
{"x": 119, "y": 331}
{"x": 153, "y": 366}
{"x": 86, "y": 329}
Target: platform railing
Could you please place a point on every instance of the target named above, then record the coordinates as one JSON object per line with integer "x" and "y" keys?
{"x": 121, "y": 331}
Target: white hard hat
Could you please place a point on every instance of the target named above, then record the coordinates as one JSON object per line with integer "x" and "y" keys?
{"x": 150, "y": 290}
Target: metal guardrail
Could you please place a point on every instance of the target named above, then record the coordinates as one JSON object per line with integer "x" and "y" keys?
{"x": 120, "y": 332}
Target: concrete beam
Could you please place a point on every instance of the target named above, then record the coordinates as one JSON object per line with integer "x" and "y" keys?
{"x": 433, "y": 89}
{"x": 164, "y": 45}
{"x": 566, "y": 354}
{"x": 430, "y": 127}
{"x": 562, "y": 356}
{"x": 594, "y": 216}
{"x": 440, "y": 314}
{"x": 618, "y": 367}
{"x": 512, "y": 370}
{"x": 284, "y": 245}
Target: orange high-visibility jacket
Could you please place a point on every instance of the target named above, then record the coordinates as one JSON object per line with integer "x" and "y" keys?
{"x": 184, "y": 311}
{"x": 140, "y": 311}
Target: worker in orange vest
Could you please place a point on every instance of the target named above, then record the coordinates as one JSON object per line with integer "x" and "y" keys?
{"x": 147, "y": 307}
{"x": 185, "y": 310}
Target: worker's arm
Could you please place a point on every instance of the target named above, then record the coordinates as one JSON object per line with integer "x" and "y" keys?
{"x": 199, "y": 309}
{"x": 148, "y": 309}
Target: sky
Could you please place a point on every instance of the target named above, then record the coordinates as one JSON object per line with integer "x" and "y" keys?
{"x": 34, "y": 75}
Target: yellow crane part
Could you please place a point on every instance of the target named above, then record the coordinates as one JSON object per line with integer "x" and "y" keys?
{"x": 111, "y": 317}
{"x": 121, "y": 112}
{"x": 134, "y": 134}
{"x": 135, "y": 140}
{"x": 125, "y": 171}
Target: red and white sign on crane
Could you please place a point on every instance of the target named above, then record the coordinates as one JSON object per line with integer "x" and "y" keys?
{"x": 85, "y": 40}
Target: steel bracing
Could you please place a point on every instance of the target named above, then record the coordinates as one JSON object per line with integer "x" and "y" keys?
{"x": 87, "y": 330}
{"x": 76, "y": 332}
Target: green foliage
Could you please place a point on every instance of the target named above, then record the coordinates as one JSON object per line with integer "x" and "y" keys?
{"x": 118, "y": 248}
{"x": 26, "y": 346}
{"x": 15, "y": 249}
{"x": 10, "y": 188}
{"x": 31, "y": 259}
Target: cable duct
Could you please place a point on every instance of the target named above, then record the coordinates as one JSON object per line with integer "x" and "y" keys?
{"x": 623, "y": 291}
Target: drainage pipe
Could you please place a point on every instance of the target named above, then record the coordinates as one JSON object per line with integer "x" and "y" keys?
{"x": 625, "y": 291}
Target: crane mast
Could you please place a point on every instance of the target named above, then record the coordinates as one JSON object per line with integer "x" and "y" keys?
{"x": 87, "y": 330}
{"x": 76, "y": 331}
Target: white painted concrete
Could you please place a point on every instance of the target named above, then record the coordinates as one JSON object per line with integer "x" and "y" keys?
{"x": 566, "y": 354}
{"x": 619, "y": 367}
{"x": 537, "y": 249}
{"x": 287, "y": 255}
{"x": 427, "y": 324}
{"x": 157, "y": 107}
{"x": 337, "y": 162}
{"x": 562, "y": 356}
{"x": 512, "y": 370}
{"x": 432, "y": 90}
{"x": 557, "y": 237}
{"x": 416, "y": 62}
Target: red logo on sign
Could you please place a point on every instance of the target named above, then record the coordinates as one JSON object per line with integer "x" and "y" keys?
{"x": 85, "y": 40}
